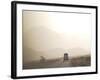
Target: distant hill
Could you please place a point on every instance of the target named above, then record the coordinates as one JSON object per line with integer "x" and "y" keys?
{"x": 54, "y": 53}
{"x": 41, "y": 37}
{"x": 31, "y": 55}
{"x": 41, "y": 41}
{"x": 75, "y": 52}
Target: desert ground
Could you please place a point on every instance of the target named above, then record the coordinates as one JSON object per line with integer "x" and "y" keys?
{"x": 60, "y": 62}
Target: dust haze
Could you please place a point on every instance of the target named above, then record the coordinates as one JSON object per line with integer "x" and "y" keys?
{"x": 51, "y": 34}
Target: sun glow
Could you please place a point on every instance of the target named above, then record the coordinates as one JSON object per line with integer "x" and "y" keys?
{"x": 70, "y": 23}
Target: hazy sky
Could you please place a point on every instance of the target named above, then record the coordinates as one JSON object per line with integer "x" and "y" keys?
{"x": 45, "y": 31}
{"x": 75, "y": 28}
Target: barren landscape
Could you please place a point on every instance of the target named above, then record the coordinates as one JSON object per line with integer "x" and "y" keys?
{"x": 55, "y": 63}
